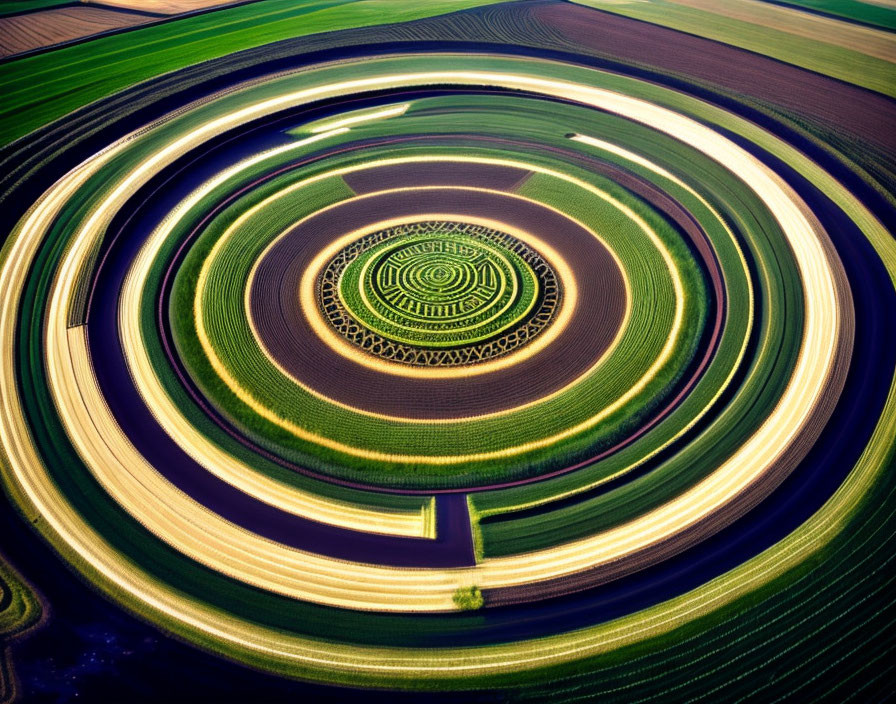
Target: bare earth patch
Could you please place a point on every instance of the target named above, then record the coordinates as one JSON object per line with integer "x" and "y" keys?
{"x": 36, "y": 30}
{"x": 45, "y": 28}
{"x": 166, "y": 7}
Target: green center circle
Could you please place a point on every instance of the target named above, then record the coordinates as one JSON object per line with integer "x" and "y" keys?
{"x": 437, "y": 286}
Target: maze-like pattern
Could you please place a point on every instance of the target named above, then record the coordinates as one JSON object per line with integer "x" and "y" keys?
{"x": 431, "y": 285}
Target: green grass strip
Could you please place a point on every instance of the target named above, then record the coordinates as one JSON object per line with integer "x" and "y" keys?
{"x": 39, "y": 89}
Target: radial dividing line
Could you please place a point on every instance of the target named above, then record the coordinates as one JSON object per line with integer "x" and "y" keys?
{"x": 412, "y": 523}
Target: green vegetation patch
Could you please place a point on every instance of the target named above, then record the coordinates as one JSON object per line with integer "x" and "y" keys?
{"x": 445, "y": 287}
{"x": 39, "y": 89}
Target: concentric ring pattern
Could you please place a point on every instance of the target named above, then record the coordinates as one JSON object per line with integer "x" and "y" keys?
{"x": 407, "y": 291}
{"x": 436, "y": 369}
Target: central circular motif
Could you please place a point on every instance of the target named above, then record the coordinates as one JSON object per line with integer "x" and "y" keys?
{"x": 438, "y": 293}
{"x": 437, "y": 289}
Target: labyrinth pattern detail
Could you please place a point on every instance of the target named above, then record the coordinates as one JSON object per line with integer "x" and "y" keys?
{"x": 439, "y": 285}
{"x": 483, "y": 350}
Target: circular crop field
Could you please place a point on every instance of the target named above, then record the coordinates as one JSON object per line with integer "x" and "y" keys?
{"x": 485, "y": 352}
{"x": 438, "y": 285}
